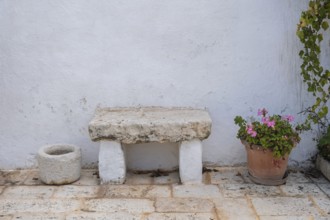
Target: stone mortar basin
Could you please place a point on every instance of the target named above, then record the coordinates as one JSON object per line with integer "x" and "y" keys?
{"x": 59, "y": 163}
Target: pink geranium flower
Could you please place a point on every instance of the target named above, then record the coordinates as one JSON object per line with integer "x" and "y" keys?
{"x": 250, "y": 131}
{"x": 262, "y": 112}
{"x": 271, "y": 124}
{"x": 265, "y": 120}
{"x": 289, "y": 118}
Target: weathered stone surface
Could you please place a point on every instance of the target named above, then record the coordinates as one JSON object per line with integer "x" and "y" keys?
{"x": 33, "y": 178}
{"x": 5, "y": 217}
{"x": 302, "y": 189}
{"x": 325, "y": 187}
{"x": 150, "y": 124}
{"x": 158, "y": 192}
{"x": 59, "y": 163}
{"x": 172, "y": 178}
{"x": 196, "y": 191}
{"x": 103, "y": 216}
{"x": 125, "y": 191}
{"x": 287, "y": 217}
{"x": 241, "y": 190}
{"x": 284, "y": 206}
{"x": 28, "y": 192}
{"x": 185, "y": 202}
{"x": 324, "y": 204}
{"x": 226, "y": 176}
{"x": 119, "y": 205}
{"x": 234, "y": 209}
{"x": 13, "y": 177}
{"x": 183, "y": 205}
{"x": 88, "y": 178}
{"x": 147, "y": 179}
{"x": 295, "y": 177}
{"x": 180, "y": 216}
{"x": 39, "y": 216}
{"x": 10, "y": 206}
{"x": 138, "y": 179}
{"x": 71, "y": 191}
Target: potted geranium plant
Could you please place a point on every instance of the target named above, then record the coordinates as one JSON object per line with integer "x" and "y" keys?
{"x": 268, "y": 142}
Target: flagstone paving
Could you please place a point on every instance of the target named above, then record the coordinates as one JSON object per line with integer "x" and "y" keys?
{"x": 227, "y": 193}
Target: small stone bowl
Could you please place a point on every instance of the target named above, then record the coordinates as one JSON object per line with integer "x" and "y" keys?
{"x": 59, "y": 164}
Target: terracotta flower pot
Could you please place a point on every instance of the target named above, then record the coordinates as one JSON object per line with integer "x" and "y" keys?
{"x": 263, "y": 167}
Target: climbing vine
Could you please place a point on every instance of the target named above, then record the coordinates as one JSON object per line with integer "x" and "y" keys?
{"x": 314, "y": 22}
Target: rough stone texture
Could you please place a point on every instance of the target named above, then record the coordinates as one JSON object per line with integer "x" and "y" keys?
{"x": 15, "y": 177}
{"x": 172, "y": 178}
{"x": 29, "y": 192}
{"x": 88, "y": 178}
{"x": 169, "y": 202}
{"x": 59, "y": 164}
{"x": 183, "y": 205}
{"x": 199, "y": 191}
{"x": 286, "y": 217}
{"x": 148, "y": 178}
{"x": 1, "y": 189}
{"x": 284, "y": 206}
{"x": 125, "y": 191}
{"x": 150, "y": 124}
{"x": 39, "y": 216}
{"x": 119, "y": 205}
{"x": 324, "y": 204}
{"x": 103, "y": 216}
{"x": 325, "y": 187}
{"x": 228, "y": 176}
{"x": 180, "y": 216}
{"x": 234, "y": 209}
{"x": 241, "y": 190}
{"x": 72, "y": 191}
{"x": 301, "y": 189}
{"x": 5, "y": 217}
{"x": 190, "y": 162}
{"x": 112, "y": 165}
{"x": 158, "y": 192}
{"x": 11, "y": 206}
{"x": 297, "y": 177}
{"x": 115, "y": 126}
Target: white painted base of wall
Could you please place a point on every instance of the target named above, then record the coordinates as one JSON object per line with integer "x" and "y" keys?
{"x": 152, "y": 156}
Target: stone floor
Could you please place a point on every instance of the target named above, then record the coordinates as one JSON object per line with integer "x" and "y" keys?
{"x": 227, "y": 193}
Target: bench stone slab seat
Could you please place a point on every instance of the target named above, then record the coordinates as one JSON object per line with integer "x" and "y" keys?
{"x": 153, "y": 124}
{"x": 116, "y": 126}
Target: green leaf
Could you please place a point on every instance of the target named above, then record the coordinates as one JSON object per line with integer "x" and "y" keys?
{"x": 300, "y": 34}
{"x": 325, "y": 25}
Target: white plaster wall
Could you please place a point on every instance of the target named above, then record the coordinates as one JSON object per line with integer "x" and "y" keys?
{"x": 61, "y": 59}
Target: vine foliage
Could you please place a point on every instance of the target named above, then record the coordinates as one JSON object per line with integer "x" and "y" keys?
{"x": 314, "y": 22}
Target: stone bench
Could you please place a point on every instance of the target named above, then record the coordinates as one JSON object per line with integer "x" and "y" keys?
{"x": 113, "y": 127}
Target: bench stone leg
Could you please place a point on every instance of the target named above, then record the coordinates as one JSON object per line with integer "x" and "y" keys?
{"x": 190, "y": 164}
{"x": 112, "y": 165}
